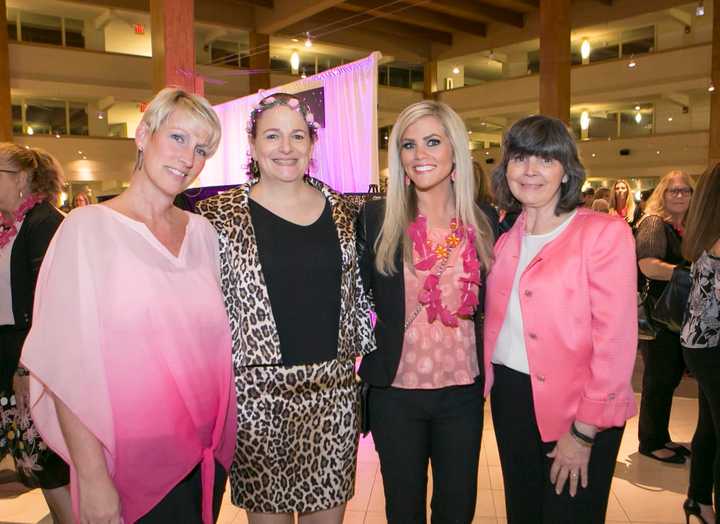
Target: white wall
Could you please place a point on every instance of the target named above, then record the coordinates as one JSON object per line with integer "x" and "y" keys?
{"x": 120, "y": 37}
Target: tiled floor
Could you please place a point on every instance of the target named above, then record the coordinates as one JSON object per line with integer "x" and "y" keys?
{"x": 643, "y": 492}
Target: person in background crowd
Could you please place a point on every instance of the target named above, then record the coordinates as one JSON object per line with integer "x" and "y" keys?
{"x": 30, "y": 180}
{"x": 133, "y": 386}
{"x": 658, "y": 240}
{"x": 640, "y": 207}
{"x": 299, "y": 318}
{"x": 602, "y": 193}
{"x": 700, "y": 338}
{"x": 81, "y": 199}
{"x": 424, "y": 252}
{"x": 483, "y": 191}
{"x": 560, "y": 333}
{"x": 601, "y": 206}
{"x": 622, "y": 201}
{"x": 588, "y": 197}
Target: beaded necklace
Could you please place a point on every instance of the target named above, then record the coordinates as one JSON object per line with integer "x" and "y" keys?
{"x": 431, "y": 258}
{"x": 8, "y": 226}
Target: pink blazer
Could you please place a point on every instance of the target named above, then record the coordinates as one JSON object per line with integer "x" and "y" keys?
{"x": 578, "y": 301}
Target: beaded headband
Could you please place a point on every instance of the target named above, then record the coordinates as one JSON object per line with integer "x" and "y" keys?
{"x": 285, "y": 100}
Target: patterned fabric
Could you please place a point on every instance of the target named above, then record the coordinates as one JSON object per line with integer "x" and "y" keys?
{"x": 36, "y": 464}
{"x": 435, "y": 355}
{"x": 702, "y": 325}
{"x": 298, "y": 425}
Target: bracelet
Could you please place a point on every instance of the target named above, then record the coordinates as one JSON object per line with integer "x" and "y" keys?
{"x": 582, "y": 438}
{"x": 22, "y": 372}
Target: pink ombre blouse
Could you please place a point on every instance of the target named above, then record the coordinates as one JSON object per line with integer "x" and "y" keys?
{"x": 136, "y": 342}
{"x": 435, "y": 355}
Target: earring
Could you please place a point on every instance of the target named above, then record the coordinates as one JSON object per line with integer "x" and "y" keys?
{"x": 407, "y": 181}
{"x": 21, "y": 195}
{"x": 565, "y": 179}
{"x": 139, "y": 161}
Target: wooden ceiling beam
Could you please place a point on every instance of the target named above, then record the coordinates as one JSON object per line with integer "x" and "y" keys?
{"x": 475, "y": 10}
{"x": 287, "y": 12}
{"x": 254, "y": 3}
{"x": 336, "y": 20}
{"x": 415, "y": 15}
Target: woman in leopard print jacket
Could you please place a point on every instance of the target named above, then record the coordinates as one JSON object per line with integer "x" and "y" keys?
{"x": 298, "y": 317}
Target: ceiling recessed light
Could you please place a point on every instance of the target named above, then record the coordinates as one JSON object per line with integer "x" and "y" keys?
{"x": 670, "y": 119}
{"x": 637, "y": 108}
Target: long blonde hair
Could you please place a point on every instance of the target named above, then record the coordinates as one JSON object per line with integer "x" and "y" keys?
{"x": 656, "y": 203}
{"x": 401, "y": 204}
{"x": 628, "y": 205}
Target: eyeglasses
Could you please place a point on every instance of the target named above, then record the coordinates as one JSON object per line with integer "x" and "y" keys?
{"x": 680, "y": 192}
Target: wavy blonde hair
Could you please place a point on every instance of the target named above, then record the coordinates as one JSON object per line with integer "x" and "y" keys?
{"x": 656, "y": 203}
{"x": 629, "y": 203}
{"x": 401, "y": 204}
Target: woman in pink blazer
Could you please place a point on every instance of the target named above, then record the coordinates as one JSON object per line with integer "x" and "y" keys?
{"x": 560, "y": 332}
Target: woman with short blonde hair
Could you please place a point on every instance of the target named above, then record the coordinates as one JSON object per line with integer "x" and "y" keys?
{"x": 424, "y": 252}
{"x": 136, "y": 393}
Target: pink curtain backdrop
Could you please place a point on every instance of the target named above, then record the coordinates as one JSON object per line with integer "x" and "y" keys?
{"x": 346, "y": 153}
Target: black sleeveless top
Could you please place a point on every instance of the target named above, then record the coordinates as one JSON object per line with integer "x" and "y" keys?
{"x": 302, "y": 268}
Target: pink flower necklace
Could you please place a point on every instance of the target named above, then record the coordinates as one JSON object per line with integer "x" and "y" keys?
{"x": 435, "y": 259}
{"x": 8, "y": 227}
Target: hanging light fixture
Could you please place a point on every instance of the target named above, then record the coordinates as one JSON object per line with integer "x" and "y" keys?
{"x": 456, "y": 70}
{"x": 295, "y": 62}
{"x": 308, "y": 40}
{"x": 700, "y": 9}
{"x": 30, "y": 130}
{"x": 638, "y": 117}
{"x": 632, "y": 64}
{"x": 584, "y": 120}
{"x": 585, "y": 49}
{"x": 711, "y": 87}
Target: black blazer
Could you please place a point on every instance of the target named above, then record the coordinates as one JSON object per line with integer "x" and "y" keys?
{"x": 28, "y": 251}
{"x": 379, "y": 367}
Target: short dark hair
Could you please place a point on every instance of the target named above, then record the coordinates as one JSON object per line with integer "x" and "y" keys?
{"x": 589, "y": 191}
{"x": 547, "y": 138}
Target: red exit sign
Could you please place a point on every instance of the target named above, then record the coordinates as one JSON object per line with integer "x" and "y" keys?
{"x": 139, "y": 29}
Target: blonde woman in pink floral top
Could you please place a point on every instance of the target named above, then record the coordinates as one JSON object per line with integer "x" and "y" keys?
{"x": 424, "y": 252}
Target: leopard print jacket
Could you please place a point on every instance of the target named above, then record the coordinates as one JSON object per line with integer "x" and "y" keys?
{"x": 254, "y": 333}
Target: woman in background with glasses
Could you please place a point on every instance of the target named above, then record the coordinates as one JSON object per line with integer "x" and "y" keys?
{"x": 659, "y": 238}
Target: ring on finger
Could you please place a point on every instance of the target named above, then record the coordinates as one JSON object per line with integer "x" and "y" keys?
{"x": 574, "y": 474}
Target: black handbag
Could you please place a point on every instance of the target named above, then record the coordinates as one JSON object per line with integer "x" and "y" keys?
{"x": 645, "y": 306}
{"x": 669, "y": 310}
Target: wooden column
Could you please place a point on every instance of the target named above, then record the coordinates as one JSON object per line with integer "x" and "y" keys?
{"x": 259, "y": 60}
{"x": 173, "y": 44}
{"x": 430, "y": 78}
{"x": 714, "y": 149}
{"x": 555, "y": 58}
{"x": 5, "y": 108}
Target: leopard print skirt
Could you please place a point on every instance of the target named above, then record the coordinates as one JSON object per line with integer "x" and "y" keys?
{"x": 298, "y": 431}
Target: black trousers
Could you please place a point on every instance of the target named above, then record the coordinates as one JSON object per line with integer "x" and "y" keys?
{"x": 705, "y": 461}
{"x": 664, "y": 367}
{"x": 530, "y": 498}
{"x": 443, "y": 426}
{"x": 183, "y": 505}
